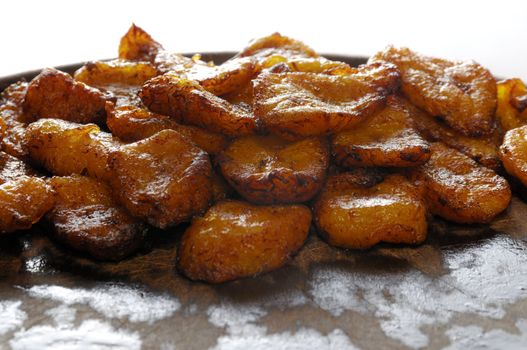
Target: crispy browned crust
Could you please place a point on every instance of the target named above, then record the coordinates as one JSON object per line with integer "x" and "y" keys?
{"x": 236, "y": 239}
{"x": 138, "y": 45}
{"x": 461, "y": 93}
{"x": 23, "y": 201}
{"x": 164, "y": 179}
{"x": 11, "y": 112}
{"x": 66, "y": 148}
{"x": 388, "y": 139}
{"x": 189, "y": 103}
{"x": 266, "y": 169}
{"x": 513, "y": 153}
{"x": 130, "y": 123}
{"x": 460, "y": 190}
{"x": 296, "y": 105}
{"x": 353, "y": 213}
{"x": 483, "y": 150}
{"x": 87, "y": 218}
{"x": 512, "y": 103}
{"x": 55, "y": 94}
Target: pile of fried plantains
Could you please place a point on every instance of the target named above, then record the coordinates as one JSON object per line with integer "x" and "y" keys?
{"x": 255, "y": 150}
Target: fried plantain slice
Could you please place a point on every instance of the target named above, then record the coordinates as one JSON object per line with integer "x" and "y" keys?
{"x": 55, "y": 94}
{"x": 279, "y": 45}
{"x": 388, "y": 139}
{"x": 164, "y": 179}
{"x": 138, "y": 45}
{"x": 483, "y": 150}
{"x": 115, "y": 72}
{"x": 267, "y": 169}
{"x": 120, "y": 79}
{"x": 460, "y": 190}
{"x": 236, "y": 239}
{"x": 296, "y": 105}
{"x": 217, "y": 79}
{"x": 130, "y": 123}
{"x": 513, "y": 153}
{"x": 189, "y": 103}
{"x": 66, "y": 148}
{"x": 350, "y": 214}
{"x": 87, "y": 218}
{"x": 11, "y": 113}
{"x": 463, "y": 93}
{"x": 512, "y": 103}
{"x": 23, "y": 201}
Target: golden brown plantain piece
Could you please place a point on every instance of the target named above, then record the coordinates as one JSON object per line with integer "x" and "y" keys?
{"x": 512, "y": 104}
{"x": 460, "y": 190}
{"x": 55, "y": 94}
{"x": 189, "y": 103}
{"x": 219, "y": 80}
{"x": 117, "y": 71}
{"x": 483, "y": 150}
{"x": 138, "y": 45}
{"x": 66, "y": 148}
{"x": 513, "y": 153}
{"x": 131, "y": 123}
{"x": 119, "y": 78}
{"x": 388, "y": 139}
{"x": 296, "y": 105}
{"x": 461, "y": 93}
{"x": 236, "y": 239}
{"x": 164, "y": 179}
{"x": 23, "y": 201}
{"x": 279, "y": 45}
{"x": 350, "y": 214}
{"x": 267, "y": 169}
{"x": 87, "y": 218}
{"x": 12, "y": 114}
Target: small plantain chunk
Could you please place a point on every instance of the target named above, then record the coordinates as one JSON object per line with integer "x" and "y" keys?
{"x": 388, "y": 139}
{"x": 295, "y": 105}
{"x": 459, "y": 189}
{"x": 236, "y": 239}
{"x": 12, "y": 114}
{"x": 513, "y": 153}
{"x": 67, "y": 148}
{"x": 23, "y": 201}
{"x": 130, "y": 123}
{"x": 164, "y": 179}
{"x": 87, "y": 218}
{"x": 55, "y": 94}
{"x": 512, "y": 103}
{"x": 189, "y": 103}
{"x": 267, "y": 169}
{"x": 351, "y": 215}
{"x": 463, "y": 93}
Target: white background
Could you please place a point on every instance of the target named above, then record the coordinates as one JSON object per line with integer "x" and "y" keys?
{"x": 47, "y": 33}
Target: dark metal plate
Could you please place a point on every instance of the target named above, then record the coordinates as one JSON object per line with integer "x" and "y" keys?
{"x": 465, "y": 288}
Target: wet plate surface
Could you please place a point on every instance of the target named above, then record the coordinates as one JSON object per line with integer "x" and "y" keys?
{"x": 466, "y": 287}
